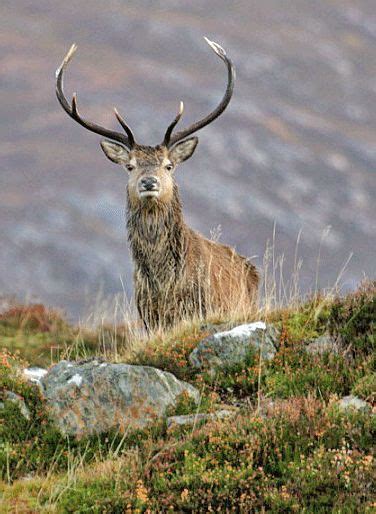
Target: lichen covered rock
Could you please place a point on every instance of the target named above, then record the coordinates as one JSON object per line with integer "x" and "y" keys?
{"x": 95, "y": 397}
{"x": 34, "y": 374}
{"x": 192, "y": 419}
{"x": 323, "y": 344}
{"x": 10, "y": 396}
{"x": 232, "y": 347}
{"x": 354, "y": 403}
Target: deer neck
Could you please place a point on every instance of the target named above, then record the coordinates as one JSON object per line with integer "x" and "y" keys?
{"x": 156, "y": 233}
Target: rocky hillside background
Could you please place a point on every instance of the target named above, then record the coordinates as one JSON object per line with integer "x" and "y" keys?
{"x": 296, "y": 146}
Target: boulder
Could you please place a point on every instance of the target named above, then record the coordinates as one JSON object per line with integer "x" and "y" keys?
{"x": 232, "y": 346}
{"x": 34, "y": 374}
{"x": 322, "y": 344}
{"x": 352, "y": 402}
{"x": 192, "y": 419}
{"x": 94, "y": 397}
{"x": 10, "y": 396}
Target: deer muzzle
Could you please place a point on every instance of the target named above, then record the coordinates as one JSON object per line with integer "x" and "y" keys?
{"x": 148, "y": 187}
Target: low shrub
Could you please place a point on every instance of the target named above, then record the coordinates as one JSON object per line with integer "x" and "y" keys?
{"x": 289, "y": 448}
{"x": 352, "y": 320}
{"x": 365, "y": 388}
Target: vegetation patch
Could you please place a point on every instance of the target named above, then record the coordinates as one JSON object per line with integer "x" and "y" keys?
{"x": 42, "y": 336}
{"x": 288, "y": 448}
{"x": 171, "y": 353}
{"x": 352, "y": 319}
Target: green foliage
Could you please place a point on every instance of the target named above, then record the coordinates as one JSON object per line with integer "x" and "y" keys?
{"x": 42, "y": 336}
{"x": 297, "y": 452}
{"x": 306, "y": 322}
{"x": 20, "y": 436}
{"x": 365, "y": 388}
{"x": 352, "y": 319}
{"x": 292, "y": 459}
{"x": 98, "y": 497}
{"x": 264, "y": 463}
{"x": 184, "y": 405}
{"x": 239, "y": 380}
{"x": 295, "y": 373}
{"x": 31, "y": 446}
{"x": 172, "y": 355}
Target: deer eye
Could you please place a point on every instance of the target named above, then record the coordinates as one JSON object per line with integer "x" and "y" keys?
{"x": 169, "y": 167}
{"x": 129, "y": 167}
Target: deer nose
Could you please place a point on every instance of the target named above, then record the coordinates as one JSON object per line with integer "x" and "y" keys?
{"x": 148, "y": 183}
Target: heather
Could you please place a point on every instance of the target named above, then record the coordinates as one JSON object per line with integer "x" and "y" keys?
{"x": 288, "y": 447}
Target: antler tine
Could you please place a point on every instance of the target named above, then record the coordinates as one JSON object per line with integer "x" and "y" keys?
{"x": 125, "y": 127}
{"x": 172, "y": 125}
{"x": 72, "y": 111}
{"x": 221, "y": 106}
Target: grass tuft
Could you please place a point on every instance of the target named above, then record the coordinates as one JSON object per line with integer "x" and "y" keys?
{"x": 288, "y": 447}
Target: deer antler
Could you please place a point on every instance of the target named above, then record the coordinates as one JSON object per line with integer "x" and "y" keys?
{"x": 71, "y": 109}
{"x": 170, "y": 139}
{"x": 173, "y": 124}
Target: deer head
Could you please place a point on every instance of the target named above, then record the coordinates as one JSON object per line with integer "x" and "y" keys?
{"x": 150, "y": 168}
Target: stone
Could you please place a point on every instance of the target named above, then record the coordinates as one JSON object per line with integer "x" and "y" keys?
{"x": 192, "y": 419}
{"x": 352, "y": 402}
{"x": 93, "y": 397}
{"x": 322, "y": 344}
{"x": 18, "y": 400}
{"x": 34, "y": 374}
{"x": 232, "y": 346}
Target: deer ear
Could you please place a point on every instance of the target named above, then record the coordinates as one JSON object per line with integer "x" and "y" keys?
{"x": 116, "y": 153}
{"x": 184, "y": 150}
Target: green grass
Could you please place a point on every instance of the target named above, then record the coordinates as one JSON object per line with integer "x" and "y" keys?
{"x": 41, "y": 336}
{"x": 287, "y": 449}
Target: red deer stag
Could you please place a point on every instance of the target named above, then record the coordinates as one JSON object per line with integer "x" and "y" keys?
{"x": 178, "y": 273}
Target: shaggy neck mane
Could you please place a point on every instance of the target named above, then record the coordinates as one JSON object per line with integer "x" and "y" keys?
{"x": 156, "y": 233}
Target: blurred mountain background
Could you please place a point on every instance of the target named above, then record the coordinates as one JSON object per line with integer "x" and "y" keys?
{"x": 296, "y": 147}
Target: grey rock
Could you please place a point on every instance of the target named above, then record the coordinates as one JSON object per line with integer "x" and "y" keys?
{"x": 352, "y": 402}
{"x": 231, "y": 347}
{"x": 192, "y": 419}
{"x": 323, "y": 344}
{"x": 35, "y": 375}
{"x": 18, "y": 400}
{"x": 95, "y": 397}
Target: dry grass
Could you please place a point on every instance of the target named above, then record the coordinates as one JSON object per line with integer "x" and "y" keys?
{"x": 252, "y": 461}
{"x": 122, "y": 334}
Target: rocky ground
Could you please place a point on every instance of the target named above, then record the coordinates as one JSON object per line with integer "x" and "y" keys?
{"x": 274, "y": 414}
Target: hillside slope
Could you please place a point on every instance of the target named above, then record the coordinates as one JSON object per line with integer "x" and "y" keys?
{"x": 289, "y": 447}
{"x": 296, "y": 145}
